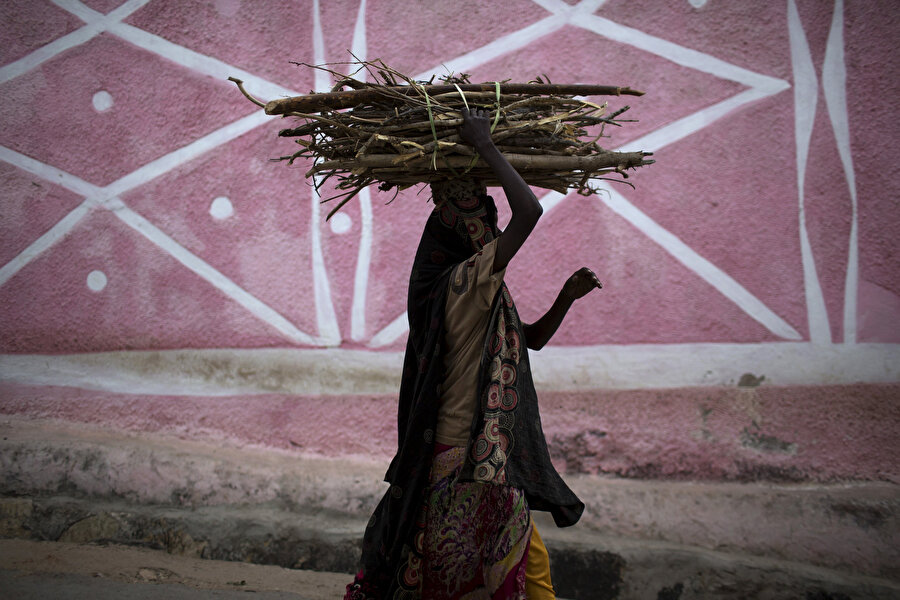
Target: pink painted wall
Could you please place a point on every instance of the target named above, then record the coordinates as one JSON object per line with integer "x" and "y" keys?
{"x": 140, "y": 211}
{"x": 740, "y": 435}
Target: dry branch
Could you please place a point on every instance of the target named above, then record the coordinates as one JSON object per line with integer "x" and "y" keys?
{"x": 355, "y": 97}
{"x": 521, "y": 162}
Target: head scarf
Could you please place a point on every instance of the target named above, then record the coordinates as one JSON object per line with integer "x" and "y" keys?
{"x": 506, "y": 446}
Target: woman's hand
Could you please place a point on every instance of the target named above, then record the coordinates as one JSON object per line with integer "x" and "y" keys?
{"x": 580, "y": 283}
{"x": 476, "y": 128}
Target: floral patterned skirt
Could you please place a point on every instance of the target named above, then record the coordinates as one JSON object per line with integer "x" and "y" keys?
{"x": 476, "y": 535}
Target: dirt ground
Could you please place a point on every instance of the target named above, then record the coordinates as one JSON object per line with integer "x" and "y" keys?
{"x": 61, "y": 570}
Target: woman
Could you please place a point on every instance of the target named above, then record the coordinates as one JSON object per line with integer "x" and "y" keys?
{"x": 472, "y": 460}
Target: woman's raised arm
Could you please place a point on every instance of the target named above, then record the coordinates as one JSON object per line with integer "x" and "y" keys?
{"x": 526, "y": 210}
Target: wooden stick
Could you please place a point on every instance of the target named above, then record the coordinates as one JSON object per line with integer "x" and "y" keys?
{"x": 350, "y": 98}
{"x": 521, "y": 162}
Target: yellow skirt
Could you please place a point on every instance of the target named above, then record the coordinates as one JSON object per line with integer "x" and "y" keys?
{"x": 537, "y": 570}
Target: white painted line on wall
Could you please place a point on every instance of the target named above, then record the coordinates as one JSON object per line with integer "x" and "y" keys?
{"x": 851, "y": 280}
{"x": 363, "y": 263}
{"x": 805, "y": 99}
{"x": 326, "y": 319}
{"x": 207, "y": 272}
{"x": 151, "y": 232}
{"x": 89, "y": 15}
{"x": 207, "y": 65}
{"x": 762, "y": 86}
{"x": 79, "y": 9}
{"x": 503, "y": 45}
{"x": 589, "y": 6}
{"x": 44, "y": 53}
{"x": 108, "y": 196}
{"x": 64, "y": 225}
{"x": 322, "y": 83}
{"x": 48, "y": 172}
{"x": 391, "y": 332}
{"x": 570, "y": 11}
{"x": 834, "y": 84}
{"x": 127, "y": 8}
{"x": 48, "y": 239}
{"x": 686, "y": 126}
{"x": 679, "y": 54}
{"x": 360, "y": 50}
{"x": 551, "y": 199}
{"x": 117, "y": 15}
{"x": 212, "y": 372}
{"x": 96, "y": 24}
{"x": 360, "y": 46}
{"x": 713, "y": 275}
{"x": 710, "y": 273}
{"x": 335, "y": 372}
{"x": 185, "y": 154}
{"x": 556, "y": 7}
{"x": 667, "y": 366}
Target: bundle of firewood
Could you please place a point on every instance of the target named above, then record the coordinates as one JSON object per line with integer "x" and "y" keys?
{"x": 397, "y": 132}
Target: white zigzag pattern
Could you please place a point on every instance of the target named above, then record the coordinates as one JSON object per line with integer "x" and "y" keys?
{"x": 561, "y": 14}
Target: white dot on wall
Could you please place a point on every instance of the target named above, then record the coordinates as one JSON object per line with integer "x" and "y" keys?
{"x": 103, "y": 101}
{"x": 697, "y": 3}
{"x": 96, "y": 281}
{"x": 340, "y": 223}
{"x": 221, "y": 208}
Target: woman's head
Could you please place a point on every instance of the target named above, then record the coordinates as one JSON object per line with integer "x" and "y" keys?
{"x": 463, "y": 206}
{"x": 463, "y": 221}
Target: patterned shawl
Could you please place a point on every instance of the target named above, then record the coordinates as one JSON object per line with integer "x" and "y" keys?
{"x": 506, "y": 446}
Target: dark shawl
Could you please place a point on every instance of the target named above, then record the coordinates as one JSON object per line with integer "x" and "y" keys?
{"x": 506, "y": 446}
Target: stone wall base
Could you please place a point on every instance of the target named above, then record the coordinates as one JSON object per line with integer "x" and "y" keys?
{"x": 637, "y": 538}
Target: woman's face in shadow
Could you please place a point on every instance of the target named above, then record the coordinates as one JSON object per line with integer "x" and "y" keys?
{"x": 492, "y": 216}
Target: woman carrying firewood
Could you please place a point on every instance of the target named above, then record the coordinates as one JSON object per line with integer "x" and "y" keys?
{"x": 472, "y": 461}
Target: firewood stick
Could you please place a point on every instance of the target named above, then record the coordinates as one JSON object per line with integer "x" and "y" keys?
{"x": 521, "y": 162}
{"x": 349, "y": 98}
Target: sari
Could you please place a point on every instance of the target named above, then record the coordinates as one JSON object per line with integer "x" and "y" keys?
{"x": 505, "y": 466}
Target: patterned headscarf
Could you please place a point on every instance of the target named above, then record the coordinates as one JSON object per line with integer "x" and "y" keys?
{"x": 464, "y": 206}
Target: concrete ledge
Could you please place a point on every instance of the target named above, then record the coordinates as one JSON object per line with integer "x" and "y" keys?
{"x": 331, "y": 372}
